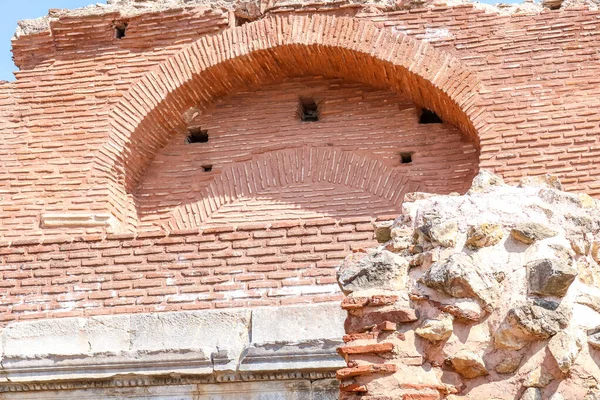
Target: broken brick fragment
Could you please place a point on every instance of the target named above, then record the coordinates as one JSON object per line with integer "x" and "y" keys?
{"x": 353, "y": 387}
{"x": 360, "y": 336}
{"x": 382, "y": 300}
{"x": 365, "y": 349}
{"x": 354, "y": 303}
{"x": 366, "y": 370}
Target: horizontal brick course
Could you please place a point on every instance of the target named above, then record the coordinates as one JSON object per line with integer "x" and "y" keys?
{"x": 150, "y": 281}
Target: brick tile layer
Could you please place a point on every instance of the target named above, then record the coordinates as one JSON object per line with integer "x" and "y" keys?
{"x": 247, "y": 265}
{"x": 96, "y": 125}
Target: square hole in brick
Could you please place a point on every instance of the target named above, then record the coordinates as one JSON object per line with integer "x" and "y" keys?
{"x": 405, "y": 157}
{"x": 120, "y": 30}
{"x": 429, "y": 117}
{"x": 309, "y": 111}
{"x": 207, "y": 168}
{"x": 197, "y": 135}
{"x": 239, "y": 21}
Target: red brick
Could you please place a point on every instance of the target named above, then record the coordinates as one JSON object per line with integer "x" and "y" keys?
{"x": 101, "y": 295}
{"x": 181, "y": 248}
{"x": 261, "y": 252}
{"x": 359, "y": 336}
{"x": 354, "y": 303}
{"x": 142, "y": 284}
{"x": 302, "y": 232}
{"x": 382, "y": 300}
{"x": 353, "y": 388}
{"x": 317, "y": 240}
{"x": 366, "y": 349}
{"x": 345, "y": 373}
{"x": 334, "y": 247}
{"x": 234, "y": 236}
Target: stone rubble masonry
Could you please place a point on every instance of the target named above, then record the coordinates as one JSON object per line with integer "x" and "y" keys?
{"x": 535, "y": 334}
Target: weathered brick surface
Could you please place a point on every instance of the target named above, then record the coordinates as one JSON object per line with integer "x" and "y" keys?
{"x": 348, "y": 165}
{"x": 106, "y": 275}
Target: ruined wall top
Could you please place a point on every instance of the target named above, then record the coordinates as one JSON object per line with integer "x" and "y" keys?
{"x": 255, "y": 8}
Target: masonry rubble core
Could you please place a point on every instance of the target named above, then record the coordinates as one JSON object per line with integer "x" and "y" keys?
{"x": 489, "y": 295}
{"x": 187, "y": 189}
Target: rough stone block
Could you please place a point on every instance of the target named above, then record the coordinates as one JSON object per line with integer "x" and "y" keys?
{"x": 379, "y": 269}
{"x": 468, "y": 364}
{"x": 533, "y": 320}
{"x": 459, "y": 276}
{"x": 550, "y": 277}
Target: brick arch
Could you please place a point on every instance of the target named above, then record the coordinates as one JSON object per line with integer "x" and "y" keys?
{"x": 285, "y": 167}
{"x": 267, "y": 50}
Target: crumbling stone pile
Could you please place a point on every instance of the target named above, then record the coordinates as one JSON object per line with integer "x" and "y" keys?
{"x": 490, "y": 295}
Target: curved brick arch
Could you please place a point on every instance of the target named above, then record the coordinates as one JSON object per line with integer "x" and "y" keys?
{"x": 291, "y": 166}
{"x": 263, "y": 51}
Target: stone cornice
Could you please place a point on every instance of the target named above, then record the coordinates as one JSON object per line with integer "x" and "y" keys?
{"x": 142, "y": 381}
{"x": 204, "y": 346}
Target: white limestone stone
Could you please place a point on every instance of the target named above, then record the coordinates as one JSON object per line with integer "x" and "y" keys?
{"x": 183, "y": 331}
{"x": 30, "y": 340}
{"x": 108, "y": 334}
{"x": 297, "y": 324}
{"x": 194, "y": 343}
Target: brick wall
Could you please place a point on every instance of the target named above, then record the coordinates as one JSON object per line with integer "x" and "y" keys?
{"x": 54, "y": 116}
{"x": 96, "y": 125}
{"x": 248, "y": 265}
{"x": 346, "y": 164}
{"x": 537, "y": 99}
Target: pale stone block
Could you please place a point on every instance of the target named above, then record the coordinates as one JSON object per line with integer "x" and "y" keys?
{"x": 184, "y": 331}
{"x": 37, "y": 339}
{"x": 317, "y": 355}
{"x": 65, "y": 220}
{"x": 297, "y": 324}
{"x": 269, "y": 390}
{"x": 199, "y": 342}
{"x": 183, "y": 392}
{"x": 326, "y": 389}
{"x": 108, "y": 334}
{"x": 297, "y": 389}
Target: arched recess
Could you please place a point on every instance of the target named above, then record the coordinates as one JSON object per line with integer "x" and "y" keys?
{"x": 265, "y": 51}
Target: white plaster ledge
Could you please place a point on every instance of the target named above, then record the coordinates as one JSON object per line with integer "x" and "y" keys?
{"x": 64, "y": 220}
